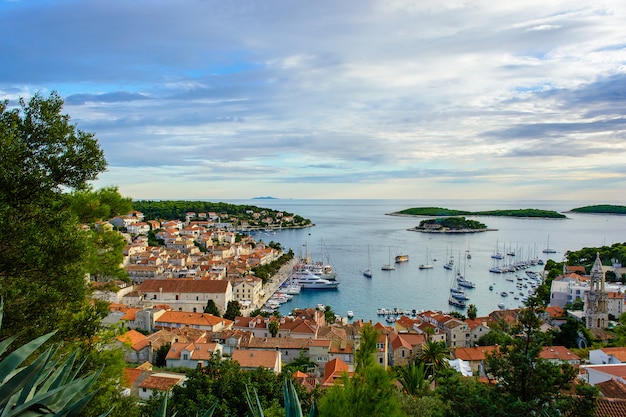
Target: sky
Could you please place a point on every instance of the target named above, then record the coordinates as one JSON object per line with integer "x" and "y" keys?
{"x": 425, "y": 99}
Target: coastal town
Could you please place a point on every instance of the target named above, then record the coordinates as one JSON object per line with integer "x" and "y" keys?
{"x": 164, "y": 308}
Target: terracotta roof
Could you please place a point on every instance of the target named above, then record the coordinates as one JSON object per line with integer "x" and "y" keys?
{"x": 610, "y": 408}
{"x": 618, "y": 352}
{"x": 278, "y": 342}
{"x": 558, "y": 352}
{"x": 613, "y": 388}
{"x": 473, "y": 353}
{"x": 131, "y": 337}
{"x": 555, "y": 311}
{"x": 333, "y": 370}
{"x": 341, "y": 346}
{"x": 191, "y": 319}
{"x": 184, "y": 285}
{"x": 256, "y": 358}
{"x": 161, "y": 382}
{"x": 197, "y": 351}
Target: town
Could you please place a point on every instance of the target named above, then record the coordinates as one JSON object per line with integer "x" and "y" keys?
{"x": 165, "y": 309}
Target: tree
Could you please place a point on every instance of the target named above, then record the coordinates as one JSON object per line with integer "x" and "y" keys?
{"x": 211, "y": 308}
{"x": 472, "y": 312}
{"x": 329, "y": 314}
{"x": 433, "y": 355}
{"x": 273, "y": 326}
{"x": 369, "y": 392}
{"x": 44, "y": 251}
{"x": 233, "y": 309}
{"x": 414, "y": 379}
{"x": 528, "y": 383}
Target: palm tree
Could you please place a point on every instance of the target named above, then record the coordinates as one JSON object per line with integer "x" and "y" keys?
{"x": 472, "y": 311}
{"x": 273, "y": 327}
{"x": 414, "y": 379}
{"x": 434, "y": 355}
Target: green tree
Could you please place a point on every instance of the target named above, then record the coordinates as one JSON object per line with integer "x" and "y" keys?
{"x": 233, "y": 309}
{"x": 44, "y": 251}
{"x": 414, "y": 379}
{"x": 211, "y": 308}
{"x": 329, "y": 314}
{"x": 369, "y": 392}
{"x": 528, "y": 383}
{"x": 433, "y": 355}
{"x": 161, "y": 354}
{"x": 472, "y": 312}
{"x": 273, "y": 327}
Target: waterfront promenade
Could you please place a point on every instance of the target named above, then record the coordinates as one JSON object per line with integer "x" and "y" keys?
{"x": 272, "y": 286}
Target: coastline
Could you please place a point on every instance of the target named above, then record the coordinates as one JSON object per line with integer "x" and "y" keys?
{"x": 444, "y": 231}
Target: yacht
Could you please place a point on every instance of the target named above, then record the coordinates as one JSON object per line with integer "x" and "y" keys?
{"x": 308, "y": 280}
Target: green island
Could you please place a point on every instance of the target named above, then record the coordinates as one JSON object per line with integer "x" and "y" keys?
{"x": 450, "y": 225}
{"x": 438, "y": 211}
{"x": 601, "y": 209}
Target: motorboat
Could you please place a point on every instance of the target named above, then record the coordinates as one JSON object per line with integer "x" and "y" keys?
{"x": 308, "y": 280}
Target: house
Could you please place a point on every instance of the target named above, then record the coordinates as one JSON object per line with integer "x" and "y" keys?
{"x": 404, "y": 347}
{"x": 342, "y": 349}
{"x": 595, "y": 374}
{"x": 185, "y": 294}
{"x": 191, "y": 355}
{"x": 137, "y": 347}
{"x": 254, "y": 359}
{"x": 288, "y": 347}
{"x": 334, "y": 371}
{"x": 296, "y": 327}
{"x": 319, "y": 351}
{"x": 559, "y": 354}
{"x": 249, "y": 288}
{"x": 159, "y": 382}
{"x": 202, "y": 321}
{"x": 478, "y": 328}
{"x": 603, "y": 356}
{"x": 474, "y": 356}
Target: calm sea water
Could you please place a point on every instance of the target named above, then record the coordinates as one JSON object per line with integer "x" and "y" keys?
{"x": 345, "y": 229}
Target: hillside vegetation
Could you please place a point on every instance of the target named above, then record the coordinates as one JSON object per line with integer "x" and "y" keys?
{"x": 438, "y": 211}
{"x": 601, "y": 209}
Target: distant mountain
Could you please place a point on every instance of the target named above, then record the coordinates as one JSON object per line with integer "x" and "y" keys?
{"x": 265, "y": 198}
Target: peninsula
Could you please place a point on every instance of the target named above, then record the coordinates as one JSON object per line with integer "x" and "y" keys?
{"x": 450, "y": 225}
{"x": 438, "y": 211}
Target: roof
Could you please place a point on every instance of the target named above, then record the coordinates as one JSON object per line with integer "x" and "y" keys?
{"x": 333, "y": 370}
{"x": 559, "y": 353}
{"x": 191, "y": 319}
{"x": 184, "y": 285}
{"x": 618, "y": 353}
{"x": 613, "y": 388}
{"x": 161, "y": 381}
{"x": 610, "y": 407}
{"x": 473, "y": 353}
{"x": 136, "y": 340}
{"x": 256, "y": 358}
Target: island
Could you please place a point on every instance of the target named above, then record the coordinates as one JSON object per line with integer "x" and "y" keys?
{"x": 438, "y": 211}
{"x": 450, "y": 225}
{"x": 601, "y": 209}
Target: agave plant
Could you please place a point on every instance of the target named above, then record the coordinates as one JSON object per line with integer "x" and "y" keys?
{"x": 45, "y": 387}
{"x": 292, "y": 402}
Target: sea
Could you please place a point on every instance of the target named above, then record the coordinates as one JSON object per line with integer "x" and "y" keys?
{"x": 352, "y": 234}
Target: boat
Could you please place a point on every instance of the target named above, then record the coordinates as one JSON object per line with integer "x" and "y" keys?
{"x": 462, "y": 282}
{"x": 457, "y": 303}
{"x": 501, "y": 306}
{"x": 350, "y": 314}
{"x": 291, "y": 289}
{"x": 401, "y": 258}
{"x": 368, "y": 272}
{"x": 491, "y": 288}
{"x": 504, "y": 294}
{"x": 427, "y": 265}
{"x": 389, "y": 266}
{"x": 497, "y": 254}
{"x": 548, "y": 249}
{"x": 308, "y": 280}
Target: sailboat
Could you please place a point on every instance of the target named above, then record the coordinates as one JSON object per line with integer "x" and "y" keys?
{"x": 368, "y": 272}
{"x": 389, "y": 266}
{"x": 427, "y": 265}
{"x": 548, "y": 249}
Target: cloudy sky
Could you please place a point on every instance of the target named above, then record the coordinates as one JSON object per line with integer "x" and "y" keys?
{"x": 205, "y": 99}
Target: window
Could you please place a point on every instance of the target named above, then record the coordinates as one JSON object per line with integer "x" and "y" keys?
{"x": 185, "y": 356}
{"x": 380, "y": 360}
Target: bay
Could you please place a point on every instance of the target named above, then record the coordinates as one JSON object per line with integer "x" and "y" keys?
{"x": 344, "y": 229}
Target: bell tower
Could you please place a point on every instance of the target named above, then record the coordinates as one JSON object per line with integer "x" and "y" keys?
{"x": 597, "y": 298}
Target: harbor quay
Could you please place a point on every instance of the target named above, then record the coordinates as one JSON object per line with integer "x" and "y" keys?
{"x": 278, "y": 279}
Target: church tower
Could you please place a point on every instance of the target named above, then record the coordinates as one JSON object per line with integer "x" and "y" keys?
{"x": 597, "y": 298}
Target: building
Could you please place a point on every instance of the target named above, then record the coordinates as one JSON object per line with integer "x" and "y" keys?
{"x": 597, "y": 312}
{"x": 185, "y": 294}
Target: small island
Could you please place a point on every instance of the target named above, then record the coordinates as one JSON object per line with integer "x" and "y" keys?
{"x": 450, "y": 225}
{"x": 601, "y": 209}
{"x": 438, "y": 211}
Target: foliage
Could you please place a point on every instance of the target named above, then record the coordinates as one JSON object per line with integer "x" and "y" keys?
{"x": 414, "y": 379}
{"x": 369, "y": 391}
{"x": 273, "y": 327}
{"x": 265, "y": 272}
{"x": 211, "y": 308}
{"x": 233, "y": 309}
{"x": 472, "y": 311}
{"x": 329, "y": 314}
{"x": 44, "y": 252}
{"x": 454, "y": 223}
{"x": 466, "y": 397}
{"x": 601, "y": 209}
{"x": 301, "y": 363}
{"x": 47, "y": 386}
{"x": 527, "y": 383}
{"x": 92, "y": 206}
{"x": 438, "y": 211}
{"x": 433, "y": 355}
{"x": 161, "y": 354}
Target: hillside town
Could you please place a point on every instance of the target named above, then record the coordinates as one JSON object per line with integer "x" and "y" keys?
{"x": 163, "y": 308}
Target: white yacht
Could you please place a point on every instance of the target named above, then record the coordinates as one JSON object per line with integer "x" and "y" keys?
{"x": 308, "y": 280}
